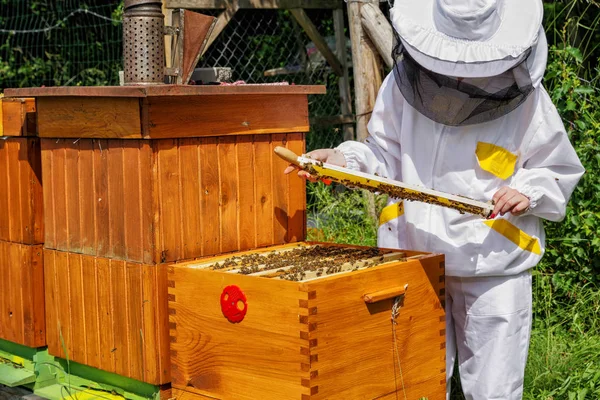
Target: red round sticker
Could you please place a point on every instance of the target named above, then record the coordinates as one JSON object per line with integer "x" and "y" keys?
{"x": 233, "y": 303}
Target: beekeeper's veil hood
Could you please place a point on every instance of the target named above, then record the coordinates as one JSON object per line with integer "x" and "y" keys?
{"x": 471, "y": 61}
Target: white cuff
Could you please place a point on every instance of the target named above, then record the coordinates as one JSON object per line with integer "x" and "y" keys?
{"x": 351, "y": 157}
{"x": 534, "y": 195}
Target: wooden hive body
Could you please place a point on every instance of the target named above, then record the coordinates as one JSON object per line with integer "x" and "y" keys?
{"x": 309, "y": 340}
{"x": 21, "y": 226}
{"x": 153, "y": 201}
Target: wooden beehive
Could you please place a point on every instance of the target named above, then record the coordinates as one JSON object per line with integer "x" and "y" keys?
{"x": 165, "y": 173}
{"x": 316, "y": 338}
{"x": 108, "y": 314}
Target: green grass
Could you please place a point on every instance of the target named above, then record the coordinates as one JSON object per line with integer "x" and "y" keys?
{"x": 564, "y": 355}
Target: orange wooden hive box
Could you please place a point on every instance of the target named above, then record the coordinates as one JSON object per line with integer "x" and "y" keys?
{"x": 325, "y": 332}
{"x": 21, "y": 226}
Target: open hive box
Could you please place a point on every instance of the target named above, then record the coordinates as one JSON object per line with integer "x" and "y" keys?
{"x": 308, "y": 320}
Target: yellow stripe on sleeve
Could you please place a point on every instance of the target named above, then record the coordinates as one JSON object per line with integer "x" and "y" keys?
{"x": 391, "y": 212}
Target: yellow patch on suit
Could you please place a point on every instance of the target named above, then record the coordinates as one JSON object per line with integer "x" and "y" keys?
{"x": 515, "y": 235}
{"x": 496, "y": 160}
{"x": 391, "y": 212}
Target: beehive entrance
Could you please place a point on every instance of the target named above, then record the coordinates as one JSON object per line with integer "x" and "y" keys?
{"x": 303, "y": 262}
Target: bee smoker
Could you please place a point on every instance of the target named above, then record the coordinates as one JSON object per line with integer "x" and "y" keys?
{"x": 143, "y": 42}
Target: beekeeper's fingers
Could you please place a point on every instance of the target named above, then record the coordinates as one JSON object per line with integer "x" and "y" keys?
{"x": 306, "y": 175}
{"x": 522, "y": 206}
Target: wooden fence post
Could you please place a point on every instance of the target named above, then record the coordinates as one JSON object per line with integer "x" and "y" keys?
{"x": 344, "y": 80}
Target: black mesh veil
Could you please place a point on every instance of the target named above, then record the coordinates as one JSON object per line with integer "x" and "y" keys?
{"x": 459, "y": 101}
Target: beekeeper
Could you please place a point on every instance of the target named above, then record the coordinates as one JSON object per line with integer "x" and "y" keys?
{"x": 464, "y": 112}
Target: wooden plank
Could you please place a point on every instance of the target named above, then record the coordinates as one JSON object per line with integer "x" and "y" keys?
{"x": 164, "y": 90}
{"x": 228, "y": 194}
{"x": 51, "y": 301}
{"x": 135, "y": 236}
{"x": 4, "y": 194}
{"x": 232, "y": 362}
{"x": 48, "y": 192}
{"x": 379, "y": 30}
{"x": 246, "y": 202}
{"x": 136, "y": 328}
{"x": 209, "y": 162}
{"x": 297, "y": 194}
{"x": 15, "y": 192}
{"x": 259, "y": 4}
{"x": 101, "y": 196}
{"x": 344, "y": 80}
{"x": 162, "y": 327}
{"x": 120, "y": 299}
{"x": 191, "y": 204}
{"x": 314, "y": 35}
{"x": 91, "y": 311}
{"x": 59, "y": 200}
{"x": 72, "y": 196}
{"x": 169, "y": 174}
{"x": 63, "y": 317}
{"x": 264, "y": 190}
{"x": 87, "y": 198}
{"x": 15, "y": 315}
{"x": 91, "y": 117}
{"x": 38, "y": 313}
{"x": 221, "y": 115}
{"x": 35, "y": 194}
{"x": 105, "y": 314}
{"x": 76, "y": 305}
{"x": 280, "y": 191}
{"x": 116, "y": 200}
{"x": 151, "y": 327}
{"x": 221, "y": 23}
{"x": 367, "y": 69}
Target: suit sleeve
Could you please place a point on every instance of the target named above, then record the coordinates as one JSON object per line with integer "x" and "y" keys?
{"x": 380, "y": 152}
{"x": 550, "y": 169}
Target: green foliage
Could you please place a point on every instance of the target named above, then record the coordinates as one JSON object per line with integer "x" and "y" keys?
{"x": 341, "y": 215}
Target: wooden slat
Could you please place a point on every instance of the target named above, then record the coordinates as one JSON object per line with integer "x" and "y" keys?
{"x": 209, "y": 162}
{"x": 72, "y": 195}
{"x": 132, "y": 201}
{"x": 91, "y": 311}
{"x": 38, "y": 314}
{"x": 116, "y": 200}
{"x": 120, "y": 300}
{"x": 297, "y": 194}
{"x": 252, "y": 4}
{"x": 101, "y": 197}
{"x": 228, "y": 202}
{"x": 48, "y": 193}
{"x": 16, "y": 305}
{"x": 5, "y": 214}
{"x": 169, "y": 196}
{"x": 105, "y": 313}
{"x": 221, "y": 115}
{"x": 88, "y": 199}
{"x": 163, "y": 90}
{"x": 313, "y": 33}
{"x": 247, "y": 205}
{"x": 15, "y": 192}
{"x": 119, "y": 324}
{"x": 136, "y": 328}
{"x": 280, "y": 192}
{"x": 89, "y": 117}
{"x": 191, "y": 204}
{"x": 264, "y": 190}
{"x": 76, "y": 305}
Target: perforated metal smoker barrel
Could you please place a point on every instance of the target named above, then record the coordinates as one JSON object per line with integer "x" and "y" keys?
{"x": 143, "y": 42}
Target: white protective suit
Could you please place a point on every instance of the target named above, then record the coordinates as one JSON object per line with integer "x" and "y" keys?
{"x": 488, "y": 283}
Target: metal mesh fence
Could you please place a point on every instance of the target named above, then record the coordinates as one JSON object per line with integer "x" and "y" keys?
{"x": 67, "y": 42}
{"x": 269, "y": 46}
{"x": 71, "y": 42}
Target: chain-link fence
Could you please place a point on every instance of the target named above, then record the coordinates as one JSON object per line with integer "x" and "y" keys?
{"x": 67, "y": 42}
{"x": 71, "y": 42}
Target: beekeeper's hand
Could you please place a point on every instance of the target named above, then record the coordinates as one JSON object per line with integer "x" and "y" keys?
{"x": 509, "y": 200}
{"x": 330, "y": 156}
